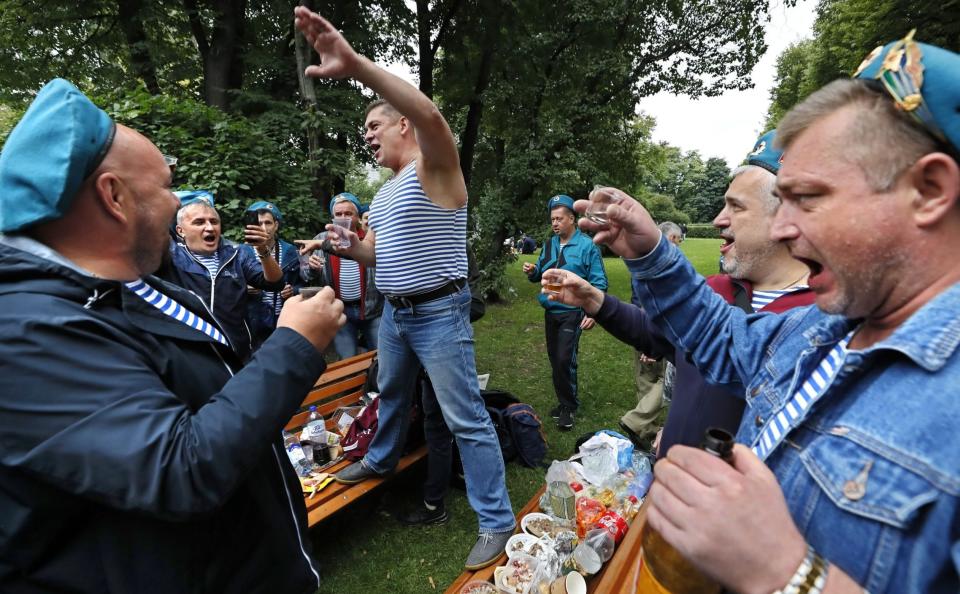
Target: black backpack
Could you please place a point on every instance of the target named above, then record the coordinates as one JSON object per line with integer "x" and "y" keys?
{"x": 518, "y": 428}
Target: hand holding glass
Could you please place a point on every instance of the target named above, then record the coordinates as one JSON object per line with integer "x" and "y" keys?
{"x": 600, "y": 199}
{"x": 346, "y": 223}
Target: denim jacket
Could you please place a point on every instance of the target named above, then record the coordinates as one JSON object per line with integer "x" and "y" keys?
{"x": 872, "y": 474}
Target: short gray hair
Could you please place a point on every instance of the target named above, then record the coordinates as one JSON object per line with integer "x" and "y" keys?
{"x": 884, "y": 141}
{"x": 770, "y": 199}
{"x": 669, "y": 228}
{"x": 184, "y": 210}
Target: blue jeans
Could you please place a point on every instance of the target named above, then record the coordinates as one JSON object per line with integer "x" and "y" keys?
{"x": 437, "y": 335}
{"x": 347, "y": 340}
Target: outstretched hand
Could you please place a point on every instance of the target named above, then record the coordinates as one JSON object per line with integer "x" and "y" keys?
{"x": 337, "y": 58}
{"x": 574, "y": 291}
{"x": 631, "y": 231}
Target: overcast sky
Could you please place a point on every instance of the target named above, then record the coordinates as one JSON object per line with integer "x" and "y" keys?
{"x": 728, "y": 125}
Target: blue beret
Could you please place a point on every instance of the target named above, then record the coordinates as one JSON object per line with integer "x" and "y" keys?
{"x": 349, "y": 197}
{"x": 267, "y": 206}
{"x": 61, "y": 139}
{"x": 764, "y": 154}
{"x": 560, "y": 200}
{"x": 190, "y": 196}
{"x": 924, "y": 81}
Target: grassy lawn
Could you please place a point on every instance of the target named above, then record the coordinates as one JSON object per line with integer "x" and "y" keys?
{"x": 364, "y": 549}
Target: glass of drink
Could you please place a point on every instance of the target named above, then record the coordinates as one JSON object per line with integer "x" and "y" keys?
{"x": 600, "y": 199}
{"x": 553, "y": 282}
{"x": 344, "y": 222}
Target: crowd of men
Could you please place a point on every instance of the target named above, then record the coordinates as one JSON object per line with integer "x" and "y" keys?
{"x": 148, "y": 371}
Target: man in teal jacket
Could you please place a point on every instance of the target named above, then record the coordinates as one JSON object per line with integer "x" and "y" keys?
{"x": 571, "y": 250}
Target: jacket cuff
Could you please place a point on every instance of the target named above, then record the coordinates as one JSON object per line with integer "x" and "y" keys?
{"x": 654, "y": 262}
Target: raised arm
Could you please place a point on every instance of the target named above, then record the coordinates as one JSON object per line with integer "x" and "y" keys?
{"x": 439, "y": 162}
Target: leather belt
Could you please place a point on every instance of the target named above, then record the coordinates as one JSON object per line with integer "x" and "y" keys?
{"x": 411, "y": 300}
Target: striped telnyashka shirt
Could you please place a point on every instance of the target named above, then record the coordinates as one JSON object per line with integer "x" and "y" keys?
{"x": 420, "y": 246}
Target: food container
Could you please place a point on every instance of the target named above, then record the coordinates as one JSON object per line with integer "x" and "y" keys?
{"x": 537, "y": 524}
{"x": 518, "y": 576}
{"x": 520, "y": 544}
{"x": 478, "y": 587}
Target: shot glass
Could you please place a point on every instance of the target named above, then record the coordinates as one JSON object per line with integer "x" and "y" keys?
{"x": 600, "y": 199}
{"x": 553, "y": 284}
{"x": 305, "y": 263}
{"x": 345, "y": 223}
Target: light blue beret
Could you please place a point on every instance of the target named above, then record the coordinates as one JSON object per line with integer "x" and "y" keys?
{"x": 61, "y": 139}
{"x": 349, "y": 197}
{"x": 764, "y": 154}
{"x": 923, "y": 80}
{"x": 560, "y": 200}
{"x": 190, "y": 196}
{"x": 267, "y": 206}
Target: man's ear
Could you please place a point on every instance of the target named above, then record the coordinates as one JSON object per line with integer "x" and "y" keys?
{"x": 404, "y": 124}
{"x": 936, "y": 180}
{"x": 112, "y": 196}
{"x": 180, "y": 231}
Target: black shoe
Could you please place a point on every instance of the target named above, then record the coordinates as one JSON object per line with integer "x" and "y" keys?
{"x": 555, "y": 412}
{"x": 565, "y": 420}
{"x": 422, "y": 516}
{"x": 641, "y": 443}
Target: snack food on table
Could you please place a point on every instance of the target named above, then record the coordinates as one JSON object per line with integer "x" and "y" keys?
{"x": 477, "y": 587}
{"x": 537, "y": 524}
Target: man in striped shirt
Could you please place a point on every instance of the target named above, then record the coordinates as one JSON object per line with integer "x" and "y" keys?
{"x": 417, "y": 241}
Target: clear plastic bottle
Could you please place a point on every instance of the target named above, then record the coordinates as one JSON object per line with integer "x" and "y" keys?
{"x": 315, "y": 429}
{"x": 297, "y": 458}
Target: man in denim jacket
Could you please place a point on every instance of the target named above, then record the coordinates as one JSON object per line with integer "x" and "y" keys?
{"x": 846, "y": 477}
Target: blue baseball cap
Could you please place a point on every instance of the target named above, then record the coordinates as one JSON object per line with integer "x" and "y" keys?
{"x": 60, "y": 140}
{"x": 348, "y": 197}
{"x": 267, "y": 206}
{"x": 190, "y": 196}
{"x": 560, "y": 200}
{"x": 924, "y": 82}
{"x": 765, "y": 155}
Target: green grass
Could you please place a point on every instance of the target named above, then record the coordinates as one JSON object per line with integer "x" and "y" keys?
{"x": 364, "y": 549}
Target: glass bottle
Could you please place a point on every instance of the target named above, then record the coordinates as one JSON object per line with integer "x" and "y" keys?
{"x": 663, "y": 570}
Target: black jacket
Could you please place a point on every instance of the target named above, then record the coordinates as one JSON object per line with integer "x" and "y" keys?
{"x": 130, "y": 461}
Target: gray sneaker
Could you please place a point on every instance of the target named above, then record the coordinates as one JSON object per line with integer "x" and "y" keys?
{"x": 355, "y": 473}
{"x": 489, "y": 547}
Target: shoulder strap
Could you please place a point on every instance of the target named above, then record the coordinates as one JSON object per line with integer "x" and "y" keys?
{"x": 741, "y": 299}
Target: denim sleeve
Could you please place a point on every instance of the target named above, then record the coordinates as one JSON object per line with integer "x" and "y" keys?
{"x": 598, "y": 275}
{"x": 725, "y": 344}
{"x": 630, "y": 324}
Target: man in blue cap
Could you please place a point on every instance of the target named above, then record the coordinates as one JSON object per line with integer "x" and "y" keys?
{"x": 759, "y": 276}
{"x": 568, "y": 249}
{"x": 353, "y": 282}
{"x": 263, "y": 308}
{"x": 417, "y": 240}
{"x": 846, "y": 477}
{"x": 133, "y": 460}
{"x": 219, "y": 271}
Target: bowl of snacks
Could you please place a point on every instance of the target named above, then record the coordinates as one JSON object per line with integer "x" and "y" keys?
{"x": 520, "y": 544}
{"x": 478, "y": 587}
{"x": 517, "y": 575}
{"x": 537, "y": 524}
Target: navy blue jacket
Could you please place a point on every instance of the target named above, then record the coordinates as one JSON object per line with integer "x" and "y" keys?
{"x": 580, "y": 256}
{"x": 133, "y": 459}
{"x": 226, "y": 295}
{"x": 261, "y": 317}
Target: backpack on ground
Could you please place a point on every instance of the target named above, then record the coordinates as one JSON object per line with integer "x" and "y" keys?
{"x": 526, "y": 430}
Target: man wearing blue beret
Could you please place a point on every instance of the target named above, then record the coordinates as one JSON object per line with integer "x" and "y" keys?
{"x": 568, "y": 249}
{"x": 353, "y": 282}
{"x": 138, "y": 454}
{"x": 846, "y": 476}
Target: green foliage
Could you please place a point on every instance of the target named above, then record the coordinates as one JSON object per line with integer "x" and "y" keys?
{"x": 240, "y": 159}
{"x": 702, "y": 231}
{"x": 844, "y": 34}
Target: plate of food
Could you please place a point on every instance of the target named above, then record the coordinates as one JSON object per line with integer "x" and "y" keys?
{"x": 520, "y": 543}
{"x": 478, "y": 587}
{"x": 537, "y": 524}
{"x": 517, "y": 576}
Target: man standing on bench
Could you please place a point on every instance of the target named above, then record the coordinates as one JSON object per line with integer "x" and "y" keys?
{"x": 417, "y": 241}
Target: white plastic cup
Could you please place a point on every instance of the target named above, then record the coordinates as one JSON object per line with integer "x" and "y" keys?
{"x": 346, "y": 223}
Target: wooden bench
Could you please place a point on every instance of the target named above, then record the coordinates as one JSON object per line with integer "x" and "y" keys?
{"x": 341, "y": 385}
{"x": 618, "y": 576}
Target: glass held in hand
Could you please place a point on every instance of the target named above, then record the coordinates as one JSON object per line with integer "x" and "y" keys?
{"x": 305, "y": 263}
{"x": 600, "y": 199}
{"x": 344, "y": 222}
{"x": 553, "y": 283}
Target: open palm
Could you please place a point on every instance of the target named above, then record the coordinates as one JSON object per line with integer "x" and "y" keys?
{"x": 337, "y": 58}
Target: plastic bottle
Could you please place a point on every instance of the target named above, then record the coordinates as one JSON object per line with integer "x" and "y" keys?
{"x": 295, "y": 453}
{"x": 315, "y": 429}
{"x": 663, "y": 570}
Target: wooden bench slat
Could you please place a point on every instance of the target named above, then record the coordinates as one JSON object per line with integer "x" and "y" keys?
{"x": 347, "y": 368}
{"x": 318, "y": 394}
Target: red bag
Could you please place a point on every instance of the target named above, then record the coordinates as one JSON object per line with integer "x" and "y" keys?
{"x": 361, "y": 431}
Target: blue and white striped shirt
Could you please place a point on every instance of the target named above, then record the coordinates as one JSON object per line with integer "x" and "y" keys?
{"x": 176, "y": 311}
{"x": 349, "y": 280}
{"x": 211, "y": 263}
{"x": 802, "y": 401}
{"x": 762, "y": 299}
{"x": 271, "y": 299}
{"x": 420, "y": 246}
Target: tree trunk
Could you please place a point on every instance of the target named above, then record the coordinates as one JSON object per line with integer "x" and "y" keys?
{"x": 471, "y": 128}
{"x": 222, "y": 54}
{"x": 424, "y": 47}
{"x": 136, "y": 36}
